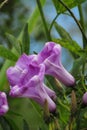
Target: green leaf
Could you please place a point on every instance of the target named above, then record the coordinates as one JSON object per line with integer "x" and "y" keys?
{"x": 69, "y": 3}
{"x": 6, "y": 53}
{"x": 11, "y": 113}
{"x": 77, "y": 64}
{"x": 62, "y": 32}
{"x": 73, "y": 47}
{"x": 34, "y": 17}
{"x": 32, "y": 20}
{"x": 25, "y": 125}
{"x": 63, "y": 111}
{"x": 25, "y": 41}
{"x": 67, "y": 41}
{"x": 36, "y": 107}
{"x": 11, "y": 123}
{"x": 3, "y": 73}
{"x": 14, "y": 42}
{"x": 4, "y": 124}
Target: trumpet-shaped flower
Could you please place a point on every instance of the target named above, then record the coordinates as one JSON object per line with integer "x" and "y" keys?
{"x": 3, "y": 103}
{"x": 26, "y": 80}
{"x": 84, "y": 98}
{"x": 50, "y": 56}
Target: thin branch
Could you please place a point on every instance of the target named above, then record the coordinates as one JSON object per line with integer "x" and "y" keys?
{"x": 82, "y": 23}
{"x": 53, "y": 22}
{"x": 2, "y": 4}
{"x": 77, "y": 22}
{"x": 43, "y": 19}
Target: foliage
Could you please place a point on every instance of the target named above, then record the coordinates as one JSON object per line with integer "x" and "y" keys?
{"x": 70, "y": 4}
{"x": 16, "y": 32}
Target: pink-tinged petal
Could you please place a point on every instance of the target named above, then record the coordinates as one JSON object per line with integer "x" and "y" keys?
{"x": 3, "y": 103}
{"x": 50, "y": 56}
{"x": 84, "y": 98}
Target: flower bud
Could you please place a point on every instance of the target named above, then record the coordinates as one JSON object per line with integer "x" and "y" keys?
{"x": 84, "y": 98}
{"x": 3, "y": 103}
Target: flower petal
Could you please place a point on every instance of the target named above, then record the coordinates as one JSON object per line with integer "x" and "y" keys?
{"x": 35, "y": 90}
{"x": 3, "y": 103}
{"x": 50, "y": 56}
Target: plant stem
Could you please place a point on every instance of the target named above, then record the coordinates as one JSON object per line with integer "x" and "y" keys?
{"x": 82, "y": 23}
{"x": 77, "y": 22}
{"x": 83, "y": 82}
{"x": 53, "y": 22}
{"x": 84, "y": 40}
{"x": 78, "y": 119}
{"x": 3, "y": 3}
{"x": 51, "y": 25}
{"x": 81, "y": 16}
{"x": 43, "y": 19}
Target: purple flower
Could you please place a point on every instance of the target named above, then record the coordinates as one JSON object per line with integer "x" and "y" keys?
{"x": 50, "y": 56}
{"x": 84, "y": 98}
{"x": 26, "y": 80}
{"x": 3, "y": 103}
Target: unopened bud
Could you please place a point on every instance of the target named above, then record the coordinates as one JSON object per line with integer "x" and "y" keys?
{"x": 46, "y": 112}
{"x": 73, "y": 102}
{"x": 58, "y": 84}
{"x": 67, "y": 127}
{"x": 57, "y": 126}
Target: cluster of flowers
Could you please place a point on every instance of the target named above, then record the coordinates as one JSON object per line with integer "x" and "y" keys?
{"x": 26, "y": 78}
